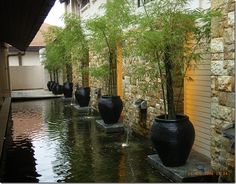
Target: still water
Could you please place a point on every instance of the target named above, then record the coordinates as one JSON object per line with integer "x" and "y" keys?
{"x": 49, "y": 141}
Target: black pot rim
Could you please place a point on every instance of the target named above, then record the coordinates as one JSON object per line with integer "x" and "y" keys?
{"x": 179, "y": 118}
{"x": 109, "y": 96}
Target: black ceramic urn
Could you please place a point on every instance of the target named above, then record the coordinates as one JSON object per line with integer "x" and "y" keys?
{"x": 67, "y": 89}
{"x": 82, "y": 95}
{"x": 172, "y": 139}
{"x": 110, "y": 108}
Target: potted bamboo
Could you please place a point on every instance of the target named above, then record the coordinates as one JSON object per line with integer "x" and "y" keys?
{"x": 78, "y": 53}
{"x": 162, "y": 38}
{"x": 52, "y": 53}
{"x": 105, "y": 33}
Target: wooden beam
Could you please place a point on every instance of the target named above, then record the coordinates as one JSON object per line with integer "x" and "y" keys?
{"x": 119, "y": 72}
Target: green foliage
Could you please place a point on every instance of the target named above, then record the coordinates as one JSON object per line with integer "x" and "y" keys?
{"x": 162, "y": 37}
{"x": 106, "y": 31}
{"x": 66, "y": 46}
{"x": 73, "y": 39}
{"x": 54, "y": 51}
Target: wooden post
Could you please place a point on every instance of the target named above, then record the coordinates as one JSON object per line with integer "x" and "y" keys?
{"x": 119, "y": 72}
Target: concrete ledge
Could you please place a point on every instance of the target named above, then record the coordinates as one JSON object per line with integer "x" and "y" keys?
{"x": 23, "y": 95}
{"x": 69, "y": 99}
{"x": 4, "y": 117}
{"x": 197, "y": 169}
{"x": 110, "y": 128}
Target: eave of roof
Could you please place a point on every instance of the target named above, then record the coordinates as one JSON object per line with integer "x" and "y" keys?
{"x": 21, "y": 20}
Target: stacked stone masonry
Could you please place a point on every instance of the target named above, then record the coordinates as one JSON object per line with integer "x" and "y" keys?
{"x": 223, "y": 88}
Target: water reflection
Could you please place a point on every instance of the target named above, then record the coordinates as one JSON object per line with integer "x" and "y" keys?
{"x": 64, "y": 148}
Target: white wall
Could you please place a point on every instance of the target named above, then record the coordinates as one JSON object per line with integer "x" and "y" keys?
{"x": 31, "y": 59}
{"x": 13, "y": 61}
{"x": 26, "y": 77}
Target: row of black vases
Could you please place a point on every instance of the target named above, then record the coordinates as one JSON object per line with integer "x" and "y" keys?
{"x": 172, "y": 139}
{"x": 57, "y": 89}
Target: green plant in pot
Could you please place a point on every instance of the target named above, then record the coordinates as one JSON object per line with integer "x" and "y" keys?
{"x": 106, "y": 33}
{"x": 76, "y": 45}
{"x": 51, "y": 53}
{"x": 162, "y": 38}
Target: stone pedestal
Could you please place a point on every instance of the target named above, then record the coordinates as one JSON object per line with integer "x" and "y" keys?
{"x": 86, "y": 111}
{"x": 110, "y": 128}
{"x": 197, "y": 169}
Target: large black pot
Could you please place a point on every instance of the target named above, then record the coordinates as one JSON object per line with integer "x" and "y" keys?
{"x": 67, "y": 89}
{"x": 49, "y": 85}
{"x": 57, "y": 89}
{"x": 82, "y": 95}
{"x": 173, "y": 139}
{"x": 110, "y": 108}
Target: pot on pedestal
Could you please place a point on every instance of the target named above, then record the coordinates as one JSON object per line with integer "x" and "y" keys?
{"x": 173, "y": 139}
{"x": 67, "y": 89}
{"x": 82, "y": 95}
{"x": 110, "y": 108}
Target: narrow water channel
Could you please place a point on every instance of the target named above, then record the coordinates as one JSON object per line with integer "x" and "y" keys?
{"x": 50, "y": 142}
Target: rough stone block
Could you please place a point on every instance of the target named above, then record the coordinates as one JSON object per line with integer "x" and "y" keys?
{"x": 217, "y": 45}
{"x": 215, "y": 110}
{"x": 229, "y": 35}
{"x": 229, "y": 66}
{"x": 217, "y": 56}
{"x": 225, "y": 83}
{"x": 227, "y": 99}
{"x": 225, "y": 113}
{"x": 217, "y": 68}
{"x": 231, "y": 18}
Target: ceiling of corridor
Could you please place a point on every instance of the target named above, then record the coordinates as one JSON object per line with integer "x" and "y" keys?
{"x": 21, "y": 20}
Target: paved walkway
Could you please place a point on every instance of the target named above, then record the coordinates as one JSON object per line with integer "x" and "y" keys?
{"x": 33, "y": 94}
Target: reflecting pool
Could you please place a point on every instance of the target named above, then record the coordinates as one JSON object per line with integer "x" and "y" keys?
{"x": 49, "y": 141}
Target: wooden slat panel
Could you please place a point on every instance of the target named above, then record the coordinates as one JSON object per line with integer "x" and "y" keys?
{"x": 199, "y": 72}
{"x": 197, "y": 113}
{"x": 201, "y": 104}
{"x": 197, "y": 98}
{"x": 202, "y": 130}
{"x": 203, "y": 67}
{"x": 203, "y": 141}
{"x": 198, "y": 77}
{"x": 192, "y": 108}
{"x": 199, "y": 83}
{"x": 200, "y": 93}
{"x": 204, "y": 151}
{"x": 202, "y": 135}
{"x": 203, "y": 88}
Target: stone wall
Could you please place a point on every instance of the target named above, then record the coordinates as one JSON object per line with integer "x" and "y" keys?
{"x": 142, "y": 87}
{"x": 223, "y": 89}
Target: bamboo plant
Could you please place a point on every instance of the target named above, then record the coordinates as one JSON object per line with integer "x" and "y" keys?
{"x": 105, "y": 34}
{"x": 53, "y": 52}
{"x": 162, "y": 36}
{"x": 76, "y": 45}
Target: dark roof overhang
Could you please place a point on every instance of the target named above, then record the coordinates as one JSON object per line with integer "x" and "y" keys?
{"x": 21, "y": 20}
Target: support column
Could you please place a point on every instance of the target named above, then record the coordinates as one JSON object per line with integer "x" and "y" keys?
{"x": 5, "y": 89}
